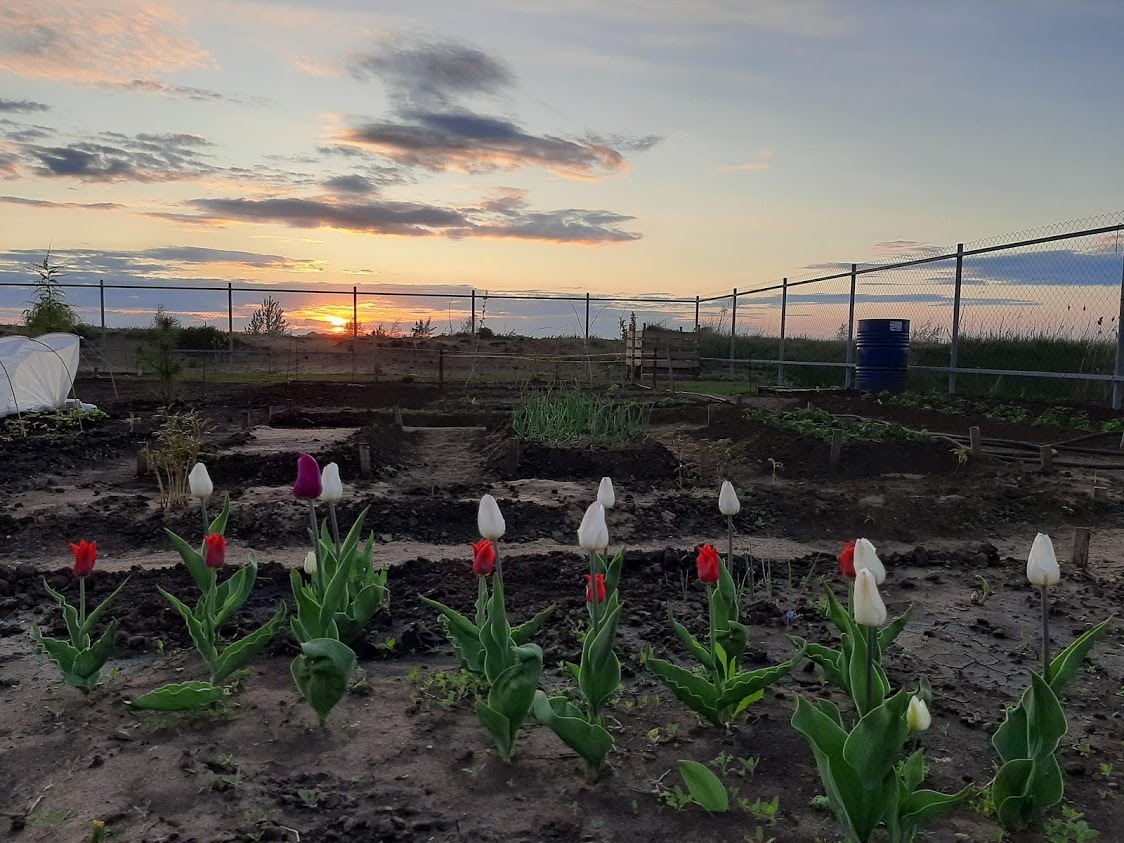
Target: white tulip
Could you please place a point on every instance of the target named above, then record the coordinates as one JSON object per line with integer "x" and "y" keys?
{"x": 489, "y": 520}
{"x": 605, "y": 494}
{"x": 867, "y": 557}
{"x": 331, "y": 487}
{"x": 593, "y": 534}
{"x": 728, "y": 503}
{"x": 869, "y": 608}
{"x": 917, "y": 716}
{"x": 199, "y": 482}
{"x": 1042, "y": 566}
{"x": 310, "y": 564}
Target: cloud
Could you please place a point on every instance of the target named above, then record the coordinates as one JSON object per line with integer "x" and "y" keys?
{"x": 763, "y": 161}
{"x": 46, "y": 203}
{"x": 94, "y": 41}
{"x": 508, "y": 218}
{"x": 349, "y": 184}
{"x": 472, "y": 143}
{"x": 201, "y": 255}
{"x": 178, "y": 92}
{"x": 315, "y": 67}
{"x": 421, "y": 74}
{"x": 112, "y": 156}
{"x": 22, "y": 106}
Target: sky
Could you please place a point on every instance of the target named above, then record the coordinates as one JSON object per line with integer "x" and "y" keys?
{"x": 632, "y": 148}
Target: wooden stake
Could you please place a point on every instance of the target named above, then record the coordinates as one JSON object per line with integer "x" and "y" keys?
{"x": 709, "y": 415}
{"x": 398, "y": 415}
{"x": 142, "y": 463}
{"x": 246, "y": 420}
{"x": 365, "y": 462}
{"x": 1080, "y": 557}
{"x": 670, "y": 371}
{"x": 1046, "y": 453}
{"x": 836, "y": 448}
{"x": 1100, "y": 494}
{"x": 977, "y": 442}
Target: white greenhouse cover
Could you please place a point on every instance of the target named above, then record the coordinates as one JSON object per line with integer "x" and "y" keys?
{"x": 36, "y": 375}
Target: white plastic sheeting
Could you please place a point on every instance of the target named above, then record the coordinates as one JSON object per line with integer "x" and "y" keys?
{"x": 36, "y": 375}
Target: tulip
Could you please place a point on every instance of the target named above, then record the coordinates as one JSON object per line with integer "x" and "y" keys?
{"x": 215, "y": 554}
{"x": 331, "y": 487}
{"x": 1042, "y": 571}
{"x": 866, "y": 557}
{"x": 847, "y": 559}
{"x": 708, "y": 564}
{"x": 605, "y": 494}
{"x": 308, "y": 486}
{"x": 728, "y": 503}
{"x": 489, "y": 519}
{"x": 199, "y": 482}
{"x": 870, "y": 611}
{"x": 85, "y": 554}
{"x": 483, "y": 558}
{"x": 310, "y": 566}
{"x": 1042, "y": 565}
{"x": 599, "y": 580}
{"x": 593, "y": 534}
{"x": 917, "y": 716}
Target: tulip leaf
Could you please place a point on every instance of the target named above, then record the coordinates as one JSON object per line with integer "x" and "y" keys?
{"x": 875, "y": 744}
{"x": 838, "y": 615}
{"x": 62, "y": 653}
{"x": 750, "y": 682}
{"x": 600, "y": 671}
{"x": 231, "y": 594}
{"x": 830, "y": 662}
{"x": 524, "y": 632}
{"x": 705, "y": 788}
{"x": 192, "y": 561}
{"x": 733, "y": 641}
{"x": 89, "y": 662}
{"x": 306, "y": 622}
{"x": 363, "y": 607}
{"x": 218, "y": 525}
{"x": 589, "y": 740}
{"x": 69, "y": 614}
{"x": 181, "y": 696}
{"x": 510, "y": 698}
{"x": 200, "y": 632}
{"x": 913, "y": 771}
{"x": 499, "y": 727}
{"x": 322, "y": 671}
{"x": 1064, "y": 665}
{"x": 242, "y": 652}
{"x": 923, "y": 805}
{"x": 99, "y": 610}
{"x": 334, "y": 596}
{"x": 692, "y": 690}
{"x": 1014, "y": 794}
{"x": 887, "y": 636}
{"x": 701, "y": 653}
{"x": 613, "y": 572}
{"x": 463, "y": 634}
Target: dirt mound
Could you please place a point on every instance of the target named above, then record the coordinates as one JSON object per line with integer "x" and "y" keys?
{"x": 641, "y": 462}
{"x": 66, "y": 452}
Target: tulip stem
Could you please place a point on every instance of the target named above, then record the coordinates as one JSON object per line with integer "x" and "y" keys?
{"x": 81, "y": 603}
{"x": 594, "y": 604}
{"x": 335, "y": 527}
{"x": 1045, "y": 634}
{"x": 870, "y": 645}
{"x": 713, "y": 649}
{"x": 206, "y": 520}
{"x": 315, "y": 536}
{"x": 730, "y": 542}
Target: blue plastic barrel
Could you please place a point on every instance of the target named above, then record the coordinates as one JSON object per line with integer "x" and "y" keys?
{"x": 883, "y": 350}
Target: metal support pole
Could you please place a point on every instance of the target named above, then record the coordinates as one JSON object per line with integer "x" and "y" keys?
{"x": 696, "y": 314}
{"x": 1117, "y": 385}
{"x": 588, "y": 361}
{"x": 230, "y": 320}
{"x": 354, "y": 330}
{"x": 784, "y": 313}
{"x": 472, "y": 318}
{"x": 849, "y": 376}
{"x": 954, "y": 352}
{"x": 733, "y": 326}
{"x": 101, "y": 294}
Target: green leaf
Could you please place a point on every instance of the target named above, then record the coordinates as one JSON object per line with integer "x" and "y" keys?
{"x": 838, "y": 614}
{"x": 513, "y": 692}
{"x": 363, "y": 607}
{"x": 192, "y": 560}
{"x": 913, "y": 771}
{"x": 70, "y": 616}
{"x": 705, "y": 787}
{"x": 218, "y": 525}
{"x": 751, "y": 682}
{"x": 242, "y": 652}
{"x": 692, "y": 690}
{"x": 99, "y": 610}
{"x": 600, "y": 671}
{"x": 181, "y": 696}
{"x": 233, "y": 592}
{"x": 306, "y": 623}
{"x": 700, "y": 652}
{"x": 829, "y": 660}
{"x": 523, "y": 633}
{"x": 856, "y": 675}
{"x": 889, "y": 634}
{"x": 1045, "y": 718}
{"x": 334, "y": 596}
{"x": 1011, "y": 792}
{"x": 1064, "y": 665}
{"x": 592, "y": 742}
{"x": 200, "y": 633}
{"x": 613, "y": 572}
{"x": 733, "y": 640}
{"x": 499, "y": 727}
{"x": 875, "y": 744}
{"x": 89, "y": 662}
{"x": 923, "y": 805}
{"x": 321, "y": 672}
{"x": 62, "y": 653}
{"x": 463, "y": 634}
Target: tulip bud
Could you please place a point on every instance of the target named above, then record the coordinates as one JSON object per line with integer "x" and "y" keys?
{"x": 310, "y": 564}
{"x": 728, "y": 503}
{"x": 215, "y": 550}
{"x": 917, "y": 716}
{"x": 489, "y": 519}
{"x": 1042, "y": 566}
{"x": 85, "y": 554}
{"x": 331, "y": 487}
{"x": 869, "y": 608}
{"x": 307, "y": 486}
{"x": 708, "y": 564}
{"x": 867, "y": 557}
{"x": 605, "y": 494}
{"x": 483, "y": 558}
{"x": 199, "y": 482}
{"x": 593, "y": 534}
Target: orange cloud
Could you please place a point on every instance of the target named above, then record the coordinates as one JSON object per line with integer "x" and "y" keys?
{"x": 764, "y": 162}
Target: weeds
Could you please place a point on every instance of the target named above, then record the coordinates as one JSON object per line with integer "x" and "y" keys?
{"x": 178, "y": 441}
{"x": 571, "y": 417}
{"x": 820, "y": 425}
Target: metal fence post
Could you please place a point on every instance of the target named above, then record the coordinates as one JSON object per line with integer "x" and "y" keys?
{"x": 354, "y": 329}
{"x": 696, "y": 314}
{"x": 1117, "y": 385}
{"x": 472, "y": 318}
{"x": 954, "y": 352}
{"x": 101, "y": 295}
{"x": 784, "y": 313}
{"x": 733, "y": 326}
{"x": 849, "y": 377}
{"x": 230, "y": 320}
{"x": 588, "y": 360}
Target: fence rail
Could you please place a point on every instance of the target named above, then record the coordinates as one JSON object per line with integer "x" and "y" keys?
{"x": 1005, "y": 308}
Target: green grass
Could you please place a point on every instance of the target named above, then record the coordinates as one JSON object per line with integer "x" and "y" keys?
{"x": 1065, "y": 417}
{"x": 820, "y": 424}
{"x": 571, "y": 417}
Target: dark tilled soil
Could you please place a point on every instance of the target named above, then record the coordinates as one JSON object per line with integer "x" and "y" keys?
{"x": 403, "y": 758}
{"x": 647, "y": 462}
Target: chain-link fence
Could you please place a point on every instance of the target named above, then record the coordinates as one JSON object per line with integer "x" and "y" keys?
{"x": 1036, "y": 312}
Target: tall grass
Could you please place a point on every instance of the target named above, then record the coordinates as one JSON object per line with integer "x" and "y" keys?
{"x": 571, "y": 417}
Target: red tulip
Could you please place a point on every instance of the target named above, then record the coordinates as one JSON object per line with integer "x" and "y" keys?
{"x": 483, "y": 557}
{"x": 216, "y": 550}
{"x": 84, "y": 555}
{"x": 847, "y": 559}
{"x": 600, "y": 589}
{"x": 309, "y": 485}
{"x": 708, "y": 564}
